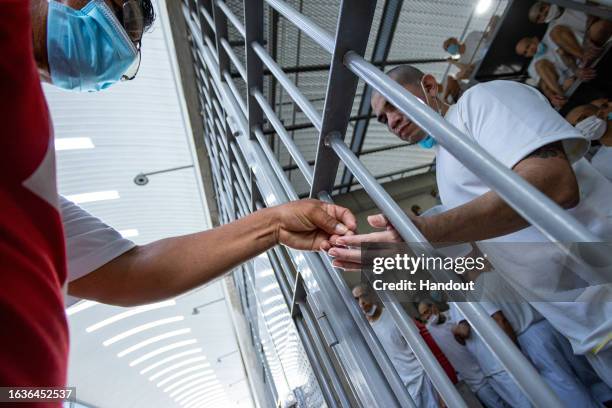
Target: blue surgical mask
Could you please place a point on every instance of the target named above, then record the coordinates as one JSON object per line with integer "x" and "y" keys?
{"x": 609, "y": 115}
{"x": 88, "y": 49}
{"x": 428, "y": 142}
{"x": 453, "y": 49}
{"x": 542, "y": 48}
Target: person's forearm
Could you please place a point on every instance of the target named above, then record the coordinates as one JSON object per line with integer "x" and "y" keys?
{"x": 504, "y": 324}
{"x": 171, "y": 266}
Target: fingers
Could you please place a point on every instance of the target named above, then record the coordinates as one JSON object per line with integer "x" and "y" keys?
{"x": 323, "y": 220}
{"x": 347, "y": 266}
{"x": 356, "y": 240}
{"x": 344, "y": 215}
{"x": 378, "y": 221}
{"x": 345, "y": 254}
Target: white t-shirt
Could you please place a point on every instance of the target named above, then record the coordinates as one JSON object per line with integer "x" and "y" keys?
{"x": 405, "y": 362}
{"x": 553, "y": 56}
{"x": 574, "y": 19}
{"x": 489, "y": 364}
{"x": 474, "y": 47}
{"x": 459, "y": 356}
{"x": 89, "y": 242}
{"x": 494, "y": 289}
{"x": 511, "y": 120}
{"x": 602, "y": 161}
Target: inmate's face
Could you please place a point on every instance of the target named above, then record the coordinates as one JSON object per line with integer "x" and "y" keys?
{"x": 527, "y": 47}
{"x": 540, "y": 12}
{"x": 365, "y": 301}
{"x": 579, "y": 113}
{"x": 397, "y": 123}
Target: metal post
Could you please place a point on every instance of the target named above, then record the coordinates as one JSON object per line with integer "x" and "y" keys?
{"x": 382, "y": 45}
{"x": 254, "y": 26}
{"x": 341, "y": 87}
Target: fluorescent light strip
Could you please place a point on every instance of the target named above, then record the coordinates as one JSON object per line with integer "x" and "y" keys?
{"x": 212, "y": 384}
{"x": 152, "y": 340}
{"x": 268, "y": 287}
{"x": 80, "y": 306}
{"x": 170, "y": 358}
{"x": 189, "y": 378}
{"x": 142, "y": 328}
{"x": 93, "y": 196}
{"x": 202, "y": 388}
{"x": 178, "y": 365}
{"x": 129, "y": 233}
{"x": 131, "y": 312}
{"x": 183, "y": 372}
{"x": 272, "y": 299}
{"x": 161, "y": 350}
{"x": 275, "y": 309}
{"x": 203, "y": 397}
{"x": 73, "y": 143}
{"x": 202, "y": 394}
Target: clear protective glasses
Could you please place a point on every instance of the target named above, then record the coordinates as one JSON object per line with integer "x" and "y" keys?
{"x": 132, "y": 20}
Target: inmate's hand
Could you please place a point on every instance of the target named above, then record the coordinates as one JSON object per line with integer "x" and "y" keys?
{"x": 346, "y": 249}
{"x": 308, "y": 224}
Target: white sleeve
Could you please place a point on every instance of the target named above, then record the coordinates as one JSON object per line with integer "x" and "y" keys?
{"x": 89, "y": 242}
{"x": 511, "y": 120}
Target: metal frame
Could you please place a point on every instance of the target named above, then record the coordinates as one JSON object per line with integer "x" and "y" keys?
{"x": 341, "y": 346}
{"x": 384, "y": 39}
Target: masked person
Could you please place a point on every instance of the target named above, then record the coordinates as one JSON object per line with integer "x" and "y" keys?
{"x": 88, "y": 46}
{"x": 592, "y": 31}
{"x": 440, "y": 327}
{"x": 515, "y": 124}
{"x": 595, "y": 123}
{"x": 406, "y": 364}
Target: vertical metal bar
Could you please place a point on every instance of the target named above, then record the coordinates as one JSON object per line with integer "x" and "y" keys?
{"x": 382, "y": 45}
{"x": 254, "y": 26}
{"x": 341, "y": 87}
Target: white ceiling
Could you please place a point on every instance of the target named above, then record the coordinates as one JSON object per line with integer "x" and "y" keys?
{"x": 140, "y": 126}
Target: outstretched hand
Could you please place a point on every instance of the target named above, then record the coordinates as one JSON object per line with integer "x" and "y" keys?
{"x": 309, "y": 224}
{"x": 346, "y": 249}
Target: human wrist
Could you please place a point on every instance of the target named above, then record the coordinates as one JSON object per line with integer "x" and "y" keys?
{"x": 270, "y": 225}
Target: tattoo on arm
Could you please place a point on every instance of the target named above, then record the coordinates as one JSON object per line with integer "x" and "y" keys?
{"x": 547, "y": 151}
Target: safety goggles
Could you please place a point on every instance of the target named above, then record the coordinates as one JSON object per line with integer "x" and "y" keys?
{"x": 133, "y": 23}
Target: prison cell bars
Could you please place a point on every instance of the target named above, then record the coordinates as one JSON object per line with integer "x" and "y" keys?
{"x": 529, "y": 202}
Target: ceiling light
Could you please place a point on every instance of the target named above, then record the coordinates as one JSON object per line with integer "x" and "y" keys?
{"x": 94, "y": 196}
{"x": 199, "y": 398}
{"x": 73, "y": 143}
{"x": 131, "y": 312}
{"x": 142, "y": 328}
{"x": 162, "y": 350}
{"x": 152, "y": 340}
{"x": 170, "y": 358}
{"x": 185, "y": 371}
{"x": 129, "y": 233}
{"x": 80, "y": 306}
{"x": 483, "y": 6}
{"x": 210, "y": 384}
{"x": 268, "y": 287}
{"x": 178, "y": 365}
{"x": 197, "y": 390}
{"x": 189, "y": 378}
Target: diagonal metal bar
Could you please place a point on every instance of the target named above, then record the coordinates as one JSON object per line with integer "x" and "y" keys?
{"x": 384, "y": 39}
{"x": 254, "y": 26}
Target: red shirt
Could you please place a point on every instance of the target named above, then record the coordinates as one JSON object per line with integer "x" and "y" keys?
{"x": 33, "y": 329}
{"x": 437, "y": 352}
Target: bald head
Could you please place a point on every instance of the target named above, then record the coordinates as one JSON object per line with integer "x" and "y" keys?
{"x": 404, "y": 75}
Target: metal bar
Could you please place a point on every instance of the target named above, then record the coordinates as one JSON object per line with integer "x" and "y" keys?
{"x": 302, "y": 126}
{"x": 341, "y": 87}
{"x": 382, "y": 45}
{"x": 510, "y": 357}
{"x": 284, "y": 136}
{"x": 326, "y": 67}
{"x": 275, "y": 165}
{"x": 232, "y": 17}
{"x": 234, "y": 58}
{"x": 305, "y": 24}
{"x": 600, "y": 11}
{"x": 539, "y": 210}
{"x": 309, "y": 110}
{"x": 254, "y": 20}
{"x": 236, "y": 93}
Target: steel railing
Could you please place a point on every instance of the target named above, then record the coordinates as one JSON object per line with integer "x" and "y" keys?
{"x": 352, "y": 341}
